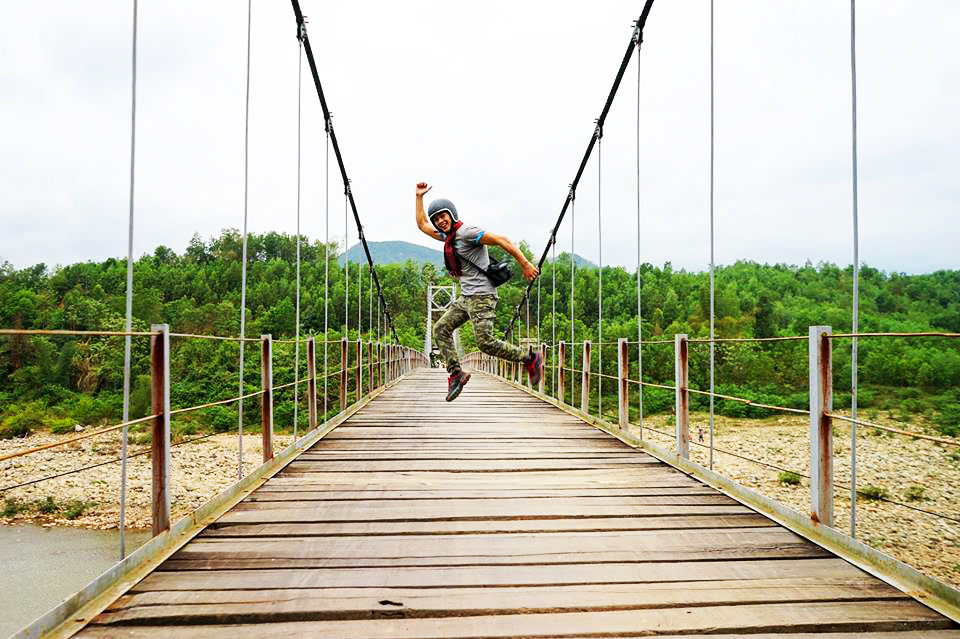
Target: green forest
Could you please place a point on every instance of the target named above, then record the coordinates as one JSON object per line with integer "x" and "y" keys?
{"x": 53, "y": 382}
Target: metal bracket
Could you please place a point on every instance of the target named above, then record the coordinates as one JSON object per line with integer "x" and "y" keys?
{"x": 598, "y": 132}
{"x": 637, "y": 33}
{"x": 302, "y": 30}
{"x": 571, "y": 194}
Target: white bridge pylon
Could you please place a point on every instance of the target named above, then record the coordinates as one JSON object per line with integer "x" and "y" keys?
{"x": 439, "y": 299}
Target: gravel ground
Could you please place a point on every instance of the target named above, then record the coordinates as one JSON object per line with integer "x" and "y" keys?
{"x": 919, "y": 473}
{"x": 199, "y": 470}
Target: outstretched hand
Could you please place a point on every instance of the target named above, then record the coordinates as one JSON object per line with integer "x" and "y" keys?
{"x": 530, "y": 271}
{"x": 422, "y": 189}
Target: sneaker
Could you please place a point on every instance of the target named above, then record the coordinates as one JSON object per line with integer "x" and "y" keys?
{"x": 455, "y": 384}
{"x": 535, "y": 369}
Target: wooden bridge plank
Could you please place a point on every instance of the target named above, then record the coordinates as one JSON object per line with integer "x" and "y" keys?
{"x": 490, "y": 576}
{"x": 468, "y": 526}
{"x": 499, "y": 516}
{"x": 317, "y": 512}
{"x": 230, "y": 606}
{"x": 859, "y": 616}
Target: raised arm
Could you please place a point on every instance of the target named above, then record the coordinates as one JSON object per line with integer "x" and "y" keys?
{"x": 530, "y": 270}
{"x": 422, "y": 221}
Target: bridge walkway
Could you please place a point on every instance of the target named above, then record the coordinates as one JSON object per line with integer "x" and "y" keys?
{"x": 499, "y": 515}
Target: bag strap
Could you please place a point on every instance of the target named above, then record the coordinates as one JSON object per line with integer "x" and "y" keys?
{"x": 467, "y": 260}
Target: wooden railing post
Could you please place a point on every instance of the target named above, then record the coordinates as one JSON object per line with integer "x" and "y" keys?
{"x": 821, "y": 440}
{"x": 561, "y": 361}
{"x": 160, "y": 427}
{"x": 343, "y": 373}
{"x": 359, "y": 372}
{"x": 370, "y": 378}
{"x": 585, "y": 379}
{"x": 682, "y": 397}
{"x": 312, "y": 381}
{"x": 623, "y": 373}
{"x": 379, "y": 364}
{"x": 266, "y": 403}
{"x": 543, "y": 360}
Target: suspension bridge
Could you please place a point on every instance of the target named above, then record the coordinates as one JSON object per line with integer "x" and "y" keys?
{"x": 516, "y": 511}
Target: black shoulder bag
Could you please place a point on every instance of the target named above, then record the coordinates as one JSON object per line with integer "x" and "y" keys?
{"x": 498, "y": 272}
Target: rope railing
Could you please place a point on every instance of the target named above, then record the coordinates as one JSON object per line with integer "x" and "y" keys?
{"x": 72, "y": 440}
{"x": 99, "y": 464}
{"x": 889, "y": 429}
{"x": 38, "y": 331}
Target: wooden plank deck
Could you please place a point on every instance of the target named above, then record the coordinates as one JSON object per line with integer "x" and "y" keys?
{"x": 499, "y": 515}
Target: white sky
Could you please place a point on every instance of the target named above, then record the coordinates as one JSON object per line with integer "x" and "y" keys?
{"x": 494, "y": 104}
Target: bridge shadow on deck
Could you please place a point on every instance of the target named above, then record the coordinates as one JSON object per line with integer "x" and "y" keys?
{"x": 498, "y": 515}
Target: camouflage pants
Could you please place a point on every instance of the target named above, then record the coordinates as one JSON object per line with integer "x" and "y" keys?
{"x": 481, "y": 310}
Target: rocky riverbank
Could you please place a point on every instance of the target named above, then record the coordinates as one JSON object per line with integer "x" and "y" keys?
{"x": 198, "y": 470}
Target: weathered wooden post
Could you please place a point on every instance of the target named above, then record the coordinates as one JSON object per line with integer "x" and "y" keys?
{"x": 543, "y": 359}
{"x": 682, "y": 401}
{"x": 379, "y": 364}
{"x": 370, "y": 378}
{"x": 561, "y": 360}
{"x": 160, "y": 427}
{"x": 623, "y": 373}
{"x": 343, "y": 373}
{"x": 312, "y": 381}
{"x": 266, "y": 400}
{"x": 359, "y": 370}
{"x": 585, "y": 378}
{"x": 821, "y": 440}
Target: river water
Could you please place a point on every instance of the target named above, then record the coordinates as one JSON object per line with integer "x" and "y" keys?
{"x": 44, "y": 566}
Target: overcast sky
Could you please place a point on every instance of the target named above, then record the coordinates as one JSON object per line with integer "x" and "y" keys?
{"x": 493, "y": 104}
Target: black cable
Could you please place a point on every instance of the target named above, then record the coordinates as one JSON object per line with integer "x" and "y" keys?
{"x": 302, "y": 35}
{"x": 635, "y": 39}
{"x": 111, "y": 461}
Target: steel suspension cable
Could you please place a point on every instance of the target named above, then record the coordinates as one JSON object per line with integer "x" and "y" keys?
{"x": 639, "y": 314}
{"x": 359, "y": 300}
{"x": 599, "y": 276}
{"x": 308, "y": 49}
{"x": 346, "y": 261}
{"x": 856, "y": 276}
{"x": 553, "y": 319}
{"x": 326, "y": 270}
{"x": 573, "y": 299}
{"x": 129, "y": 310}
{"x": 638, "y": 29}
{"x": 296, "y": 351}
{"x": 243, "y": 267}
{"x": 712, "y": 290}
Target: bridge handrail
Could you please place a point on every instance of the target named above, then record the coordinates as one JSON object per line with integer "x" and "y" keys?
{"x": 681, "y": 389}
{"x": 385, "y": 362}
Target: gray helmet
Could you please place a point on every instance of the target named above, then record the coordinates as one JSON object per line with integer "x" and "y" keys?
{"x": 439, "y": 206}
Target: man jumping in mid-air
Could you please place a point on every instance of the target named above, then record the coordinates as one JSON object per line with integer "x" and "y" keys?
{"x": 478, "y": 300}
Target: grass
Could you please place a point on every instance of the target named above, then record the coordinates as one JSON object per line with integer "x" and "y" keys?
{"x": 789, "y": 478}
{"x": 914, "y": 493}
{"x": 874, "y": 493}
{"x": 70, "y": 509}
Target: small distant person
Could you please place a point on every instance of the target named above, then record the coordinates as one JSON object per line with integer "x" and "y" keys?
{"x": 700, "y": 431}
{"x": 478, "y": 299}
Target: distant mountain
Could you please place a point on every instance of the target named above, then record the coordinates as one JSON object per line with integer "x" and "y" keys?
{"x": 400, "y": 252}
{"x": 394, "y": 253}
{"x": 579, "y": 261}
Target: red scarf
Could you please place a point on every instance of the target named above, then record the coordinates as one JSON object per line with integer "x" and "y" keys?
{"x": 450, "y": 259}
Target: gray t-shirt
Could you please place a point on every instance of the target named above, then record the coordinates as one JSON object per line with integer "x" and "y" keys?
{"x": 473, "y": 282}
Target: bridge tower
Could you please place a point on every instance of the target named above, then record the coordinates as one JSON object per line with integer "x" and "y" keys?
{"x": 439, "y": 299}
